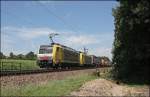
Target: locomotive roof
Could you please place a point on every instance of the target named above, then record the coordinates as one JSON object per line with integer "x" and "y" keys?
{"x": 65, "y": 47}
{"x": 45, "y": 46}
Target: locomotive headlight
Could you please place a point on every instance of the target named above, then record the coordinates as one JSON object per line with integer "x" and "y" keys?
{"x": 50, "y": 60}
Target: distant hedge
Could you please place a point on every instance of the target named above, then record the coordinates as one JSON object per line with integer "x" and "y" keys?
{"x": 28, "y": 56}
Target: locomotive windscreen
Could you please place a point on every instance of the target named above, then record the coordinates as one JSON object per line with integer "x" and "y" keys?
{"x": 45, "y": 50}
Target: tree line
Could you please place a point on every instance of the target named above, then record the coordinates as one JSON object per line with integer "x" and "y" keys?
{"x": 131, "y": 47}
{"x": 29, "y": 56}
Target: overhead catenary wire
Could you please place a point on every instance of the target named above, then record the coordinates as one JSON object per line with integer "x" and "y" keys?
{"x": 49, "y": 12}
{"x": 58, "y": 17}
{"x": 26, "y": 20}
{"x": 23, "y": 19}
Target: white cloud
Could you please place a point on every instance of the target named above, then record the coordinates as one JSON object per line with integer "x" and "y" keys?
{"x": 6, "y": 41}
{"x": 31, "y": 38}
{"x": 28, "y": 33}
{"x": 46, "y": 2}
{"x": 50, "y": 4}
{"x": 34, "y": 32}
{"x": 102, "y": 51}
{"x": 81, "y": 40}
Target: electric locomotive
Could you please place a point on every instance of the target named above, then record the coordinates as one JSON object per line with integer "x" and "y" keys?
{"x": 57, "y": 55}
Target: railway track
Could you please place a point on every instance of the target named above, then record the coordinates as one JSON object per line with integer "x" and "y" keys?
{"x": 23, "y": 72}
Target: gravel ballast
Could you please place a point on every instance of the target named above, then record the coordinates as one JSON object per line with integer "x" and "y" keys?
{"x": 19, "y": 80}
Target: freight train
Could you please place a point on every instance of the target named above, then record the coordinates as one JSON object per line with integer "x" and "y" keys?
{"x": 57, "y": 55}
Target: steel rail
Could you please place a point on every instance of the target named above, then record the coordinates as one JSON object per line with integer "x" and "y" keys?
{"x": 24, "y": 72}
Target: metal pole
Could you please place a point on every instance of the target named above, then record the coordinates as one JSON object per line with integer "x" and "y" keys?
{"x": 2, "y": 65}
{"x": 11, "y": 66}
{"x": 20, "y": 66}
{"x": 51, "y": 35}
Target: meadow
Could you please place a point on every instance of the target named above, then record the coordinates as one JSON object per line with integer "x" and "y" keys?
{"x": 13, "y": 64}
{"x": 51, "y": 88}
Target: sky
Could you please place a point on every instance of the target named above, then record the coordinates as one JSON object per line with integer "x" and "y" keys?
{"x": 25, "y": 25}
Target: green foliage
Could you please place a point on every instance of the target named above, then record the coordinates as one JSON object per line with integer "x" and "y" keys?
{"x": 21, "y": 56}
{"x": 50, "y": 88}
{"x": 12, "y": 64}
{"x": 2, "y": 56}
{"x": 11, "y": 55}
{"x": 132, "y": 43}
{"x": 30, "y": 55}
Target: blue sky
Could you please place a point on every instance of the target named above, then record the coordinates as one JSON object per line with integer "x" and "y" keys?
{"x": 25, "y": 25}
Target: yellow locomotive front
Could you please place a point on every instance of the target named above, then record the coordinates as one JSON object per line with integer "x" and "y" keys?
{"x": 49, "y": 56}
{"x": 85, "y": 60}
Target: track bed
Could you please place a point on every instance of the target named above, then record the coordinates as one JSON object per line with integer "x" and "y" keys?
{"x": 25, "y": 72}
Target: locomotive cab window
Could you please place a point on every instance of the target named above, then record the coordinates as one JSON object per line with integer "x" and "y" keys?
{"x": 45, "y": 50}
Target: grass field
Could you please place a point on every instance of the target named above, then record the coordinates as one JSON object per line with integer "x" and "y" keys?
{"x": 50, "y": 88}
{"x": 11, "y": 64}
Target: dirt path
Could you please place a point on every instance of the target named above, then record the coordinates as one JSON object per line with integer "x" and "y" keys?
{"x": 102, "y": 87}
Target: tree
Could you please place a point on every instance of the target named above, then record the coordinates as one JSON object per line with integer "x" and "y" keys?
{"x": 132, "y": 43}
{"x": 30, "y": 55}
{"x": 11, "y": 55}
{"x": 2, "y": 56}
{"x": 20, "y": 56}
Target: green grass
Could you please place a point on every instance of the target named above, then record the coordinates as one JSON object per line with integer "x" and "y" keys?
{"x": 12, "y": 64}
{"x": 51, "y": 88}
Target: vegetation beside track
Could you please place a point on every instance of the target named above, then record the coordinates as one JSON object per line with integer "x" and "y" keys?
{"x": 131, "y": 47}
{"x": 63, "y": 87}
{"x": 50, "y": 88}
{"x": 12, "y": 64}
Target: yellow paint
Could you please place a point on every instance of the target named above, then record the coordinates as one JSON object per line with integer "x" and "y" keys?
{"x": 57, "y": 54}
{"x": 82, "y": 58}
